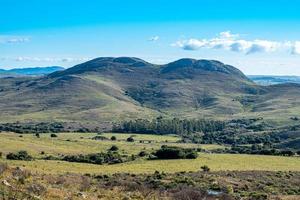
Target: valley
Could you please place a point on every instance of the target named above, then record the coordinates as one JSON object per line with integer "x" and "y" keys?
{"x": 197, "y": 126}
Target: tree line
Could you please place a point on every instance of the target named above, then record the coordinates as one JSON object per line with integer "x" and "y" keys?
{"x": 163, "y": 126}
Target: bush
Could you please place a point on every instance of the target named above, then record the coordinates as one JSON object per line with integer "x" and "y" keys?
{"x": 166, "y": 152}
{"x": 258, "y": 196}
{"x": 130, "y": 139}
{"x": 113, "y": 138}
{"x": 191, "y": 155}
{"x": 205, "y": 168}
{"x": 37, "y": 135}
{"x": 114, "y": 148}
{"x": 1, "y": 154}
{"x": 143, "y": 154}
{"x": 21, "y": 155}
{"x": 100, "y": 137}
{"x": 53, "y": 135}
{"x": 95, "y": 158}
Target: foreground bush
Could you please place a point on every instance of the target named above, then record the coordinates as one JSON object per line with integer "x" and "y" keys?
{"x": 21, "y": 155}
{"x": 167, "y": 152}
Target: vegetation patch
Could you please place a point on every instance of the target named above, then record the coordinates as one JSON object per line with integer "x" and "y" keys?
{"x": 168, "y": 152}
{"x": 96, "y": 158}
{"x": 21, "y": 155}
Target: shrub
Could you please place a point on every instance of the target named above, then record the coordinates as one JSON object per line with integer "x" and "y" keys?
{"x": 21, "y": 155}
{"x": 95, "y": 158}
{"x": 205, "y": 168}
{"x": 258, "y": 196}
{"x": 229, "y": 189}
{"x": 114, "y": 148}
{"x": 100, "y": 137}
{"x": 1, "y": 154}
{"x": 143, "y": 154}
{"x": 130, "y": 139}
{"x": 53, "y": 135}
{"x": 113, "y": 138}
{"x": 37, "y": 135}
{"x": 191, "y": 155}
{"x": 166, "y": 152}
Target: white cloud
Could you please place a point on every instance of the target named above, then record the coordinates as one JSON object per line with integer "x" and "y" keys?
{"x": 296, "y": 48}
{"x": 6, "y": 39}
{"x": 46, "y": 59}
{"x": 153, "y": 38}
{"x": 232, "y": 42}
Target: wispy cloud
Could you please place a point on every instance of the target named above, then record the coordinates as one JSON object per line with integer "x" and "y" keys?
{"x": 153, "y": 38}
{"x": 46, "y": 59}
{"x": 6, "y": 39}
{"x": 233, "y": 42}
{"x": 296, "y": 48}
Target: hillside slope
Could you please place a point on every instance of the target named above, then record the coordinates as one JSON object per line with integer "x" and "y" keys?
{"x": 112, "y": 89}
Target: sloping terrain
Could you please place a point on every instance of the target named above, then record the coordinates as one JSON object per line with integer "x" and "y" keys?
{"x": 112, "y": 89}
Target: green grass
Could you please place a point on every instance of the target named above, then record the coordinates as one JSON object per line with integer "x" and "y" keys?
{"x": 216, "y": 162}
{"x": 76, "y": 143}
{"x": 81, "y": 143}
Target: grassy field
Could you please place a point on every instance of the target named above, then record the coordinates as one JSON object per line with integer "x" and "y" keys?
{"x": 216, "y": 162}
{"x": 82, "y": 143}
{"x": 76, "y": 143}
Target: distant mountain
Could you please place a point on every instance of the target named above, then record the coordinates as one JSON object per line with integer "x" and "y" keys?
{"x": 33, "y": 71}
{"x": 271, "y": 80}
{"x": 105, "y": 90}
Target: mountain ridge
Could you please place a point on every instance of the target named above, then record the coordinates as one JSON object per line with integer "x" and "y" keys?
{"x": 109, "y": 89}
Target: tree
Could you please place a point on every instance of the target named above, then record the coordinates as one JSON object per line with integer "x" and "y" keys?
{"x": 205, "y": 168}
{"x": 114, "y": 148}
{"x": 21, "y": 155}
{"x": 130, "y": 139}
{"x": 113, "y": 138}
{"x": 167, "y": 152}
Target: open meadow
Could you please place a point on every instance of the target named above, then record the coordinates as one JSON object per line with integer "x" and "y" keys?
{"x": 83, "y": 143}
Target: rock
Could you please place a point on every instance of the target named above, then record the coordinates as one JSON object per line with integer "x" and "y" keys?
{"x": 6, "y": 183}
{"x": 82, "y": 195}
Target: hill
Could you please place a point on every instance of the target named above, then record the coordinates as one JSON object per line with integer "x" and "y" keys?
{"x": 32, "y": 71}
{"x": 271, "y": 80}
{"x": 110, "y": 89}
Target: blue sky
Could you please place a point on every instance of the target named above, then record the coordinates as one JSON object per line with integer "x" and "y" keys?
{"x": 258, "y": 37}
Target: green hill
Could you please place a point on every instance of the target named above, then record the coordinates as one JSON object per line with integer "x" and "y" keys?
{"x": 112, "y": 89}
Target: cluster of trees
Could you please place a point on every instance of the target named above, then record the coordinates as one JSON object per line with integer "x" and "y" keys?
{"x": 256, "y": 149}
{"x": 169, "y": 126}
{"x": 21, "y": 155}
{"x": 234, "y": 137}
{"x": 110, "y": 157}
{"x": 54, "y": 127}
{"x": 168, "y": 152}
